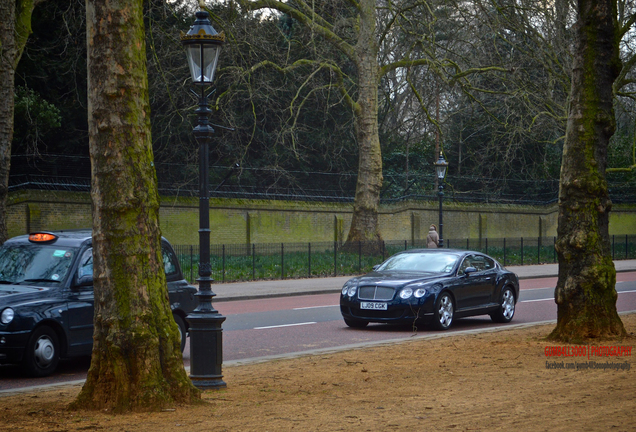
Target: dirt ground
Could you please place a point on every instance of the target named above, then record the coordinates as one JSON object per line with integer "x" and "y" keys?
{"x": 477, "y": 382}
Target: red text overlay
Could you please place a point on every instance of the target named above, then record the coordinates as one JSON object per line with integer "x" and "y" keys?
{"x": 588, "y": 351}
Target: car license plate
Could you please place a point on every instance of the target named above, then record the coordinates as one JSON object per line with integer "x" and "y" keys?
{"x": 373, "y": 306}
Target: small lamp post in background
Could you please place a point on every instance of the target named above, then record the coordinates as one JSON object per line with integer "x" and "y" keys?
{"x": 203, "y": 44}
{"x": 440, "y": 168}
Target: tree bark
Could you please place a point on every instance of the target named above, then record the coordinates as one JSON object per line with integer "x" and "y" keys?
{"x": 136, "y": 361}
{"x": 585, "y": 293}
{"x": 7, "y": 80}
{"x": 364, "y": 222}
{"x": 15, "y": 28}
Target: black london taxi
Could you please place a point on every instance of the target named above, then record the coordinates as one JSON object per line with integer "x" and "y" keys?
{"x": 46, "y": 298}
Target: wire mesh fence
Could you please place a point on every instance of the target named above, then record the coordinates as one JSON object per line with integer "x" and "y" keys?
{"x": 261, "y": 261}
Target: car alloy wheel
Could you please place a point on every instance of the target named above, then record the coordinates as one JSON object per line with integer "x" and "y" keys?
{"x": 506, "y": 307}
{"x": 444, "y": 312}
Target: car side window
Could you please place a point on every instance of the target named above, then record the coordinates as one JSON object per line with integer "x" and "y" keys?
{"x": 169, "y": 262}
{"x": 482, "y": 263}
{"x": 86, "y": 264}
{"x": 489, "y": 264}
{"x": 468, "y": 262}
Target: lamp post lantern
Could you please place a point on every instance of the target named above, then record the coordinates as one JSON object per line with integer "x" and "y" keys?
{"x": 440, "y": 168}
{"x": 203, "y": 44}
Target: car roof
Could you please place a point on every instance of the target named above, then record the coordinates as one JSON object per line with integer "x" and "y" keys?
{"x": 68, "y": 238}
{"x": 440, "y": 250}
{"x": 457, "y": 252}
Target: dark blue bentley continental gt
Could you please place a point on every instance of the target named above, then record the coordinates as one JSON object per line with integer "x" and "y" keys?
{"x": 431, "y": 286}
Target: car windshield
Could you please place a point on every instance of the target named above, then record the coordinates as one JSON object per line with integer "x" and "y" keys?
{"x": 34, "y": 263}
{"x": 424, "y": 262}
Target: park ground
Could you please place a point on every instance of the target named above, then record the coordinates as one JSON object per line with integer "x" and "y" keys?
{"x": 492, "y": 381}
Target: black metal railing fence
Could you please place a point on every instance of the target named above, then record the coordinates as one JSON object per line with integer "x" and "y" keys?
{"x": 258, "y": 261}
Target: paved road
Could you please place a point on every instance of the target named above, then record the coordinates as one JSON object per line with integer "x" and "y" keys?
{"x": 300, "y": 321}
{"x": 271, "y": 328}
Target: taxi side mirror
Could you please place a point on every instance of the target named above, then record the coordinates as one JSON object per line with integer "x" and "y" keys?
{"x": 85, "y": 280}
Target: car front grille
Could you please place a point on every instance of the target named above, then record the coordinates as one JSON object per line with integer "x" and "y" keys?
{"x": 373, "y": 292}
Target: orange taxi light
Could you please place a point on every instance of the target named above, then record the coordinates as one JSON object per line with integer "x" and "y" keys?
{"x": 42, "y": 237}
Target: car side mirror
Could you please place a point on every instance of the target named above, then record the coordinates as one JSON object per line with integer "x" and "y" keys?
{"x": 85, "y": 280}
{"x": 375, "y": 267}
{"x": 469, "y": 270}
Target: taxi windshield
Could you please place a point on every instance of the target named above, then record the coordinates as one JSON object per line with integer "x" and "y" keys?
{"x": 34, "y": 263}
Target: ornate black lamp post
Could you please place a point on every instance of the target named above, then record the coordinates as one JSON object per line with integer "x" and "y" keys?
{"x": 203, "y": 45}
{"x": 440, "y": 168}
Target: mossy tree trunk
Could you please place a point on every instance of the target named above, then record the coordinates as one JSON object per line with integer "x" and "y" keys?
{"x": 136, "y": 361}
{"x": 15, "y": 28}
{"x": 364, "y": 221}
{"x": 363, "y": 100}
{"x": 586, "y": 293}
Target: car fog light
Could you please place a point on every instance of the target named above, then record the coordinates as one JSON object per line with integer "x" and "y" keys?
{"x": 406, "y": 293}
{"x": 7, "y": 316}
{"x": 419, "y": 293}
{"x": 3, "y": 340}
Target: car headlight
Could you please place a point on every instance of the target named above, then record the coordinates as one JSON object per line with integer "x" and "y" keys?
{"x": 406, "y": 293}
{"x": 419, "y": 293}
{"x": 7, "y": 316}
{"x": 350, "y": 287}
{"x": 415, "y": 290}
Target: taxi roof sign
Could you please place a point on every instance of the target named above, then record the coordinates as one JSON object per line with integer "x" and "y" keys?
{"x": 42, "y": 237}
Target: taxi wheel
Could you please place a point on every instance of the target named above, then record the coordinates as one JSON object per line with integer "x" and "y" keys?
{"x": 182, "y": 330}
{"x": 42, "y": 352}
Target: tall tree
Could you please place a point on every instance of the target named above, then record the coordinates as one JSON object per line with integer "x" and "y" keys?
{"x": 506, "y": 127}
{"x": 356, "y": 30}
{"x": 15, "y": 28}
{"x": 136, "y": 360}
{"x": 350, "y": 27}
{"x": 585, "y": 293}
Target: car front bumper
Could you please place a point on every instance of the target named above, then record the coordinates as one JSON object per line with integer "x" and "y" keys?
{"x": 12, "y": 345}
{"x": 396, "y": 312}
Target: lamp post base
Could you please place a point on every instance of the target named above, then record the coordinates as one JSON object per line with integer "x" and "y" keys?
{"x": 206, "y": 349}
{"x": 204, "y": 383}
